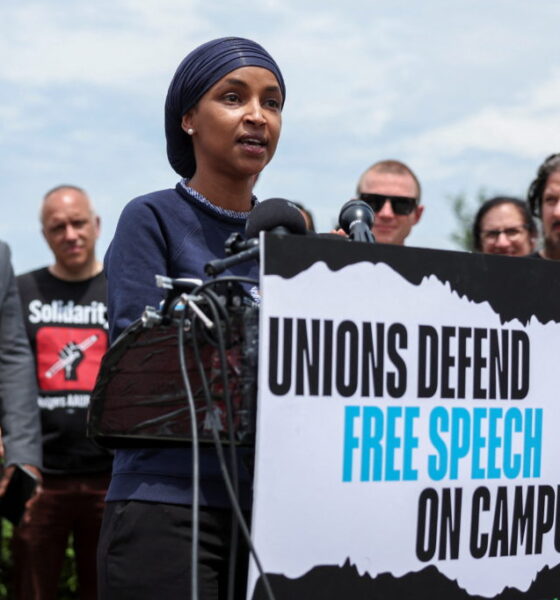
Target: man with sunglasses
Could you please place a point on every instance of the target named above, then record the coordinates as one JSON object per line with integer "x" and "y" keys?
{"x": 393, "y": 191}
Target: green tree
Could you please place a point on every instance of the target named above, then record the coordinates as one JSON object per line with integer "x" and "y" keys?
{"x": 68, "y": 586}
{"x": 464, "y": 211}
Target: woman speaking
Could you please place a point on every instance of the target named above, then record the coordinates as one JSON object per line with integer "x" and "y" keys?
{"x": 222, "y": 124}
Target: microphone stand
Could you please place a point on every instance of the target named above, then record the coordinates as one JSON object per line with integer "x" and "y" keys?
{"x": 245, "y": 250}
{"x": 360, "y": 232}
{"x": 219, "y": 265}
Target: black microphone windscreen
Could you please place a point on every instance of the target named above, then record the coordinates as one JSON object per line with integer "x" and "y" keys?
{"x": 272, "y": 213}
{"x": 355, "y": 210}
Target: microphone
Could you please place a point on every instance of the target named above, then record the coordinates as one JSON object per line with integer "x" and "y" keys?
{"x": 356, "y": 218}
{"x": 275, "y": 215}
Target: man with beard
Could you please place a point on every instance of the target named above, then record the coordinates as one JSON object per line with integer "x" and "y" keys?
{"x": 544, "y": 201}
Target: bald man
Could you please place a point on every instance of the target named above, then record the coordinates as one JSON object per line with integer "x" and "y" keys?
{"x": 65, "y": 317}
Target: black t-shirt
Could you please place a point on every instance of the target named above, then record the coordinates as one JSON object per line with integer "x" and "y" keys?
{"x": 67, "y": 327}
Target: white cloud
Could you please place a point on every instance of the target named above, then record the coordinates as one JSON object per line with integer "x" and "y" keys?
{"x": 462, "y": 92}
{"x": 526, "y": 129}
{"x": 117, "y": 44}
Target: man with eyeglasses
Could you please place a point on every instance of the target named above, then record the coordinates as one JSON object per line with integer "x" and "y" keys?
{"x": 393, "y": 191}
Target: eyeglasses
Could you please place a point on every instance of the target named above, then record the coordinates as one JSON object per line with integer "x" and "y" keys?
{"x": 512, "y": 233}
{"x": 401, "y": 205}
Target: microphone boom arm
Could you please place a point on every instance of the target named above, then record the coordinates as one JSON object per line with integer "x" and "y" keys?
{"x": 219, "y": 265}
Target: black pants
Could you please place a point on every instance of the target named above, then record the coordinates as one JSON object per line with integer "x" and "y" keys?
{"x": 144, "y": 552}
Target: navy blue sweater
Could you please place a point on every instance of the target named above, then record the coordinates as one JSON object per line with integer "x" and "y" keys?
{"x": 172, "y": 233}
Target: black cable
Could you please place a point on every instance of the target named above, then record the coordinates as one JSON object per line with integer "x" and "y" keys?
{"x": 195, "y": 458}
{"x": 221, "y": 459}
{"x": 221, "y": 347}
{"x": 233, "y": 458}
{"x": 205, "y": 288}
{"x": 231, "y": 439}
{"x": 229, "y": 278}
{"x": 225, "y": 320}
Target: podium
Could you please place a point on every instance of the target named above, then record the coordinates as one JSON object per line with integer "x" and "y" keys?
{"x": 407, "y": 419}
{"x": 407, "y": 424}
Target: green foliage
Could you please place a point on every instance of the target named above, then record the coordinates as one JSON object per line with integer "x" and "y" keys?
{"x": 464, "y": 211}
{"x": 68, "y": 587}
{"x": 5, "y": 559}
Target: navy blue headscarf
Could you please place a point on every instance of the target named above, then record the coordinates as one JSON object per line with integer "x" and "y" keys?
{"x": 198, "y": 72}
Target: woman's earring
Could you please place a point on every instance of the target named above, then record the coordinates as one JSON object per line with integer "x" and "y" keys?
{"x": 190, "y": 131}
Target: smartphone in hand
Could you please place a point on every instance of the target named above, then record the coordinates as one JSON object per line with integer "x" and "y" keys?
{"x": 20, "y": 488}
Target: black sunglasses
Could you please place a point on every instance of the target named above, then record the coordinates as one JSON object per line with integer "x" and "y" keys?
{"x": 401, "y": 205}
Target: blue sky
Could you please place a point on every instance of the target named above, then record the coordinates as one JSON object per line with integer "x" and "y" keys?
{"x": 465, "y": 92}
